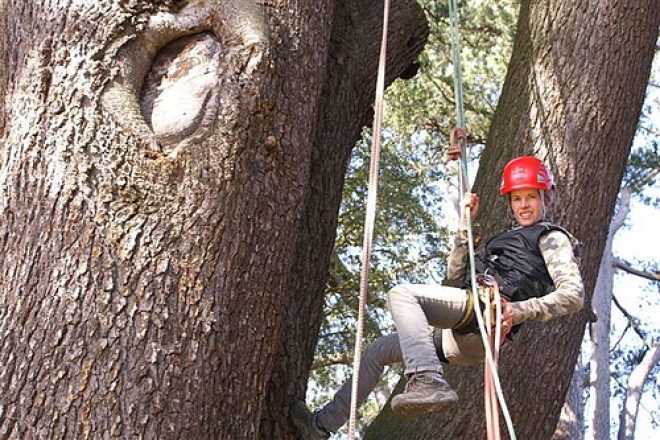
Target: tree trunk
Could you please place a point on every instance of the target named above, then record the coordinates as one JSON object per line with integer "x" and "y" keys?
{"x": 599, "y": 364}
{"x": 638, "y": 378}
{"x": 572, "y": 96}
{"x": 571, "y": 420}
{"x": 170, "y": 176}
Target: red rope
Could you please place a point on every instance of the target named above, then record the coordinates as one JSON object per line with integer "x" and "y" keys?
{"x": 495, "y": 332}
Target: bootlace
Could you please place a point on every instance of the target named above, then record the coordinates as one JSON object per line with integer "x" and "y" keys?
{"x": 420, "y": 379}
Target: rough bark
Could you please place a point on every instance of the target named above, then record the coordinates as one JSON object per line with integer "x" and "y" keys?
{"x": 572, "y": 96}
{"x": 571, "y": 420}
{"x": 170, "y": 176}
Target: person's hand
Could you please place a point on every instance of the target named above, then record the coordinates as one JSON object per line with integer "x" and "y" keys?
{"x": 507, "y": 317}
{"x": 470, "y": 200}
{"x": 506, "y": 321}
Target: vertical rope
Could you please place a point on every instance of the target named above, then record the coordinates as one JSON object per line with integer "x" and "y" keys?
{"x": 458, "y": 85}
{"x": 370, "y": 218}
{"x": 491, "y": 364}
{"x": 456, "y": 57}
{"x": 492, "y": 381}
{"x": 493, "y": 328}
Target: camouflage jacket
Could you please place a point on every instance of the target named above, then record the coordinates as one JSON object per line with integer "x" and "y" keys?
{"x": 557, "y": 250}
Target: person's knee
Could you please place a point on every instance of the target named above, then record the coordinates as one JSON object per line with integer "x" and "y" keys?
{"x": 383, "y": 351}
{"x": 396, "y": 290}
{"x": 466, "y": 350}
{"x": 397, "y": 293}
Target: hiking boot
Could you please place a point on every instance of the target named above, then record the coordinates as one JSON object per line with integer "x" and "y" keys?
{"x": 425, "y": 392}
{"x": 306, "y": 423}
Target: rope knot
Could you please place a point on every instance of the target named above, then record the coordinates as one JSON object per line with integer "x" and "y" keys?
{"x": 457, "y": 142}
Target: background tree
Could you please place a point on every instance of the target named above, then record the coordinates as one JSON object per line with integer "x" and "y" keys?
{"x": 170, "y": 175}
{"x": 642, "y": 172}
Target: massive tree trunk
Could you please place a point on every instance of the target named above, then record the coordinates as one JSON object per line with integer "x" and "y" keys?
{"x": 572, "y": 96}
{"x": 170, "y": 174}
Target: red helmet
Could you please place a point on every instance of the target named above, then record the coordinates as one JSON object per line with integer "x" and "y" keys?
{"x": 525, "y": 172}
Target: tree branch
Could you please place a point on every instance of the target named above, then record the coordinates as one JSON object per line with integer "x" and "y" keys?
{"x": 632, "y": 321}
{"x": 619, "y": 264}
{"x": 334, "y": 359}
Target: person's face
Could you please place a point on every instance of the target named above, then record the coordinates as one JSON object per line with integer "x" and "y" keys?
{"x": 527, "y": 206}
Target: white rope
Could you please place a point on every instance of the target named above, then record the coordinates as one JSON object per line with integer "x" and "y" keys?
{"x": 370, "y": 219}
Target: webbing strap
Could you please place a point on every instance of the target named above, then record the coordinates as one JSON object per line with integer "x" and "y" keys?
{"x": 370, "y": 219}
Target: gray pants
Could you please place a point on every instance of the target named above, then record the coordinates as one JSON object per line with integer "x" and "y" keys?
{"x": 417, "y": 309}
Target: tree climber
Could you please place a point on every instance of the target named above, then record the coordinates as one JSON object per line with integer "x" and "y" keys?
{"x": 535, "y": 265}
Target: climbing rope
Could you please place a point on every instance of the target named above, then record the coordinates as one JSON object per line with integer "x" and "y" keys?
{"x": 369, "y": 219}
{"x": 493, "y": 328}
{"x": 456, "y": 57}
{"x": 491, "y": 341}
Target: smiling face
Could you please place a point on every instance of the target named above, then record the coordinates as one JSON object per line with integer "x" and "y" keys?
{"x": 527, "y": 206}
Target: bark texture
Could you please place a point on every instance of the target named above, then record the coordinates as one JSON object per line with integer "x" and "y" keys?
{"x": 571, "y": 421}
{"x": 572, "y": 96}
{"x": 170, "y": 176}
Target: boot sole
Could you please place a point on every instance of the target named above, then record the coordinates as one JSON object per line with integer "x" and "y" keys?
{"x": 411, "y": 410}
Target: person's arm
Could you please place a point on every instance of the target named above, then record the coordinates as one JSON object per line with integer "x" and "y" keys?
{"x": 568, "y": 296}
{"x": 458, "y": 256}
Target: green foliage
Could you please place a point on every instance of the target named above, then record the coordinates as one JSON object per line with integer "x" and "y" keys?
{"x": 642, "y": 170}
{"x": 425, "y": 105}
{"x": 409, "y": 244}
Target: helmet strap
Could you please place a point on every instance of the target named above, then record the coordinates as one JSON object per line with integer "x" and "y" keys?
{"x": 543, "y": 208}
